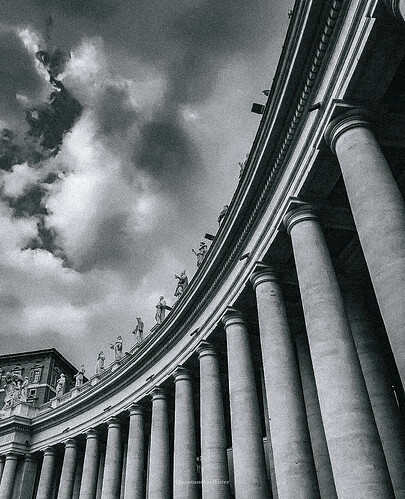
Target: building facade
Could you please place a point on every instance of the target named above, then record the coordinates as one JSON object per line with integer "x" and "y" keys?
{"x": 42, "y": 368}
{"x": 280, "y": 371}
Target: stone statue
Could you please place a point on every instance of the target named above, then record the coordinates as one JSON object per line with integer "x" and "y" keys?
{"x": 160, "y": 310}
{"x": 138, "y": 331}
{"x": 79, "y": 376}
{"x": 9, "y": 389}
{"x": 18, "y": 380}
{"x": 182, "y": 284}
{"x": 117, "y": 347}
{"x": 223, "y": 213}
{"x": 100, "y": 363}
{"x": 60, "y": 385}
{"x": 200, "y": 254}
{"x": 24, "y": 390}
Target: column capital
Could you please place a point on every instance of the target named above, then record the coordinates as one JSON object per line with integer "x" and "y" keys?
{"x": 157, "y": 394}
{"x": 29, "y": 457}
{"x": 263, "y": 273}
{"x": 11, "y": 456}
{"x": 135, "y": 410}
{"x": 205, "y": 348}
{"x": 355, "y": 118}
{"x": 91, "y": 433}
{"x": 70, "y": 443}
{"x": 396, "y": 8}
{"x": 113, "y": 422}
{"x": 49, "y": 451}
{"x": 232, "y": 316}
{"x": 181, "y": 374}
{"x": 299, "y": 214}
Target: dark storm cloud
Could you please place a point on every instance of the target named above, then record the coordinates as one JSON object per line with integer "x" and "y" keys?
{"x": 190, "y": 41}
{"x": 18, "y": 76}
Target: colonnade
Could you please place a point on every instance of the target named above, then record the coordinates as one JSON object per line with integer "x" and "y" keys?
{"x": 332, "y": 417}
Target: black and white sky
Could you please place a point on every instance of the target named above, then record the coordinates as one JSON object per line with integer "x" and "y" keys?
{"x": 113, "y": 171}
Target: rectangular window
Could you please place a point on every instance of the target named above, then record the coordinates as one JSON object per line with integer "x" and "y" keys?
{"x": 37, "y": 376}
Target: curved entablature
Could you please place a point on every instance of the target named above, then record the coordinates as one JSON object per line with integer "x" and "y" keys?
{"x": 268, "y": 310}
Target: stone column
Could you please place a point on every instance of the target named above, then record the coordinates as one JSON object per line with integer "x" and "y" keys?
{"x": 293, "y": 459}
{"x": 88, "y": 485}
{"x": 2, "y": 461}
{"x": 378, "y": 381}
{"x": 247, "y": 439}
{"x": 28, "y": 477}
{"x": 45, "y": 480}
{"x": 396, "y": 8}
{"x": 185, "y": 465}
{"x": 270, "y": 457}
{"x": 214, "y": 461}
{"x": 379, "y": 214}
{"x": 7, "y": 479}
{"x": 134, "y": 481}
{"x": 67, "y": 478}
{"x": 112, "y": 468}
{"x": 358, "y": 462}
{"x": 159, "y": 486}
{"x": 314, "y": 418}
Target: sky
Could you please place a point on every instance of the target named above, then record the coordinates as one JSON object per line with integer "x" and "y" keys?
{"x": 122, "y": 124}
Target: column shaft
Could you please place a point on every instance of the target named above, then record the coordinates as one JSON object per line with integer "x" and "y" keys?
{"x": 134, "y": 481}
{"x": 214, "y": 461}
{"x": 159, "y": 486}
{"x": 2, "y": 461}
{"x": 185, "y": 465}
{"x": 315, "y": 423}
{"x": 7, "y": 480}
{"x": 46, "y": 477}
{"x": 90, "y": 466}
{"x": 270, "y": 457}
{"x": 293, "y": 459}
{"x": 112, "y": 468}
{"x": 67, "y": 478}
{"x": 379, "y": 214}
{"x": 247, "y": 439}
{"x": 386, "y": 412}
{"x": 355, "y": 450}
{"x": 28, "y": 477}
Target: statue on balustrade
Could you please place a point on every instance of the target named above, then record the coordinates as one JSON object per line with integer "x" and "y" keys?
{"x": 222, "y": 214}
{"x": 80, "y": 376}
{"x": 9, "y": 389}
{"x": 138, "y": 331}
{"x": 60, "y": 385}
{"x": 160, "y": 310}
{"x": 100, "y": 363}
{"x": 182, "y": 284}
{"x": 117, "y": 347}
{"x": 200, "y": 254}
{"x": 24, "y": 390}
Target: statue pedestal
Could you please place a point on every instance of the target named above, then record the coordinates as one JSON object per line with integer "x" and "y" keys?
{"x": 115, "y": 365}
{"x": 95, "y": 379}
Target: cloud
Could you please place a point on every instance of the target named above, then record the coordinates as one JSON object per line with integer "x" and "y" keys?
{"x": 100, "y": 209}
